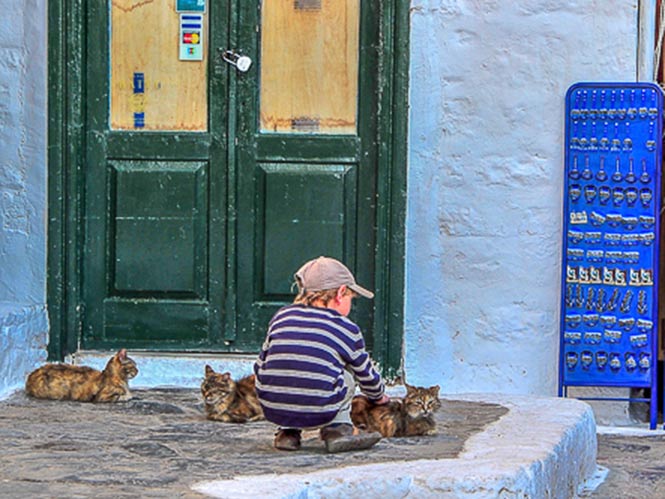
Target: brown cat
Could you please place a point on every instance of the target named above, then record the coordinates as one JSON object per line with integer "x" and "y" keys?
{"x": 84, "y": 384}
{"x": 230, "y": 401}
{"x": 411, "y": 416}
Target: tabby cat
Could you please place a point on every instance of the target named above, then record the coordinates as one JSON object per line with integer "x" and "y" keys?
{"x": 84, "y": 384}
{"x": 230, "y": 401}
{"x": 413, "y": 415}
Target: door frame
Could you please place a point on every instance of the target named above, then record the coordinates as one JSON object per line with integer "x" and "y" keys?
{"x": 66, "y": 149}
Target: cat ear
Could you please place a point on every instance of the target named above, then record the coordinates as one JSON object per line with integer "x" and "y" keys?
{"x": 226, "y": 375}
{"x": 434, "y": 390}
{"x": 209, "y": 370}
{"x": 122, "y": 354}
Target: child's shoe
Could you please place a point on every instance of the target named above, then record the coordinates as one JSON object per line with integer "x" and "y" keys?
{"x": 287, "y": 439}
{"x": 340, "y": 438}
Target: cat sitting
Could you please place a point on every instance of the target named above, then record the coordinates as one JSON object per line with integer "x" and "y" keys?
{"x": 230, "y": 401}
{"x": 84, "y": 384}
{"x": 411, "y": 416}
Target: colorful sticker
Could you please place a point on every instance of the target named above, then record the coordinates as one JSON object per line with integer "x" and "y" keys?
{"x": 190, "y": 5}
{"x": 191, "y": 37}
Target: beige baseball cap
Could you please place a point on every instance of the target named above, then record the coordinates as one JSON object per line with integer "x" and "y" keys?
{"x": 327, "y": 273}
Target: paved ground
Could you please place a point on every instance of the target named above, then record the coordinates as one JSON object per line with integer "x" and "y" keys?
{"x": 636, "y": 466}
{"x": 159, "y": 444}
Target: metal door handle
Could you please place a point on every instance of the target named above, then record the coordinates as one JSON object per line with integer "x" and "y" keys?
{"x": 241, "y": 62}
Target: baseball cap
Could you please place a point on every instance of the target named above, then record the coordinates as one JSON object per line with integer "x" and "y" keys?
{"x": 327, "y": 273}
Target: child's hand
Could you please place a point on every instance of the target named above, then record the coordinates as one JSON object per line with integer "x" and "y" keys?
{"x": 383, "y": 400}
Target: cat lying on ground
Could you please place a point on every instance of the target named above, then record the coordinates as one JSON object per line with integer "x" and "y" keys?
{"x": 230, "y": 401}
{"x": 411, "y": 416}
{"x": 84, "y": 384}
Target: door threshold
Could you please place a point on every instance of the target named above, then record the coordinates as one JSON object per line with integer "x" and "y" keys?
{"x": 169, "y": 369}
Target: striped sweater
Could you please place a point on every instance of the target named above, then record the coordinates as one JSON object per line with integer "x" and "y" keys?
{"x": 300, "y": 370}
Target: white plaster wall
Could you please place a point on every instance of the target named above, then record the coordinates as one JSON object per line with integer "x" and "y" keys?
{"x": 23, "y": 151}
{"x": 23, "y": 317}
{"x": 487, "y": 86}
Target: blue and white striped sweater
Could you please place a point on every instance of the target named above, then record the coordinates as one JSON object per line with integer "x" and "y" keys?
{"x": 300, "y": 370}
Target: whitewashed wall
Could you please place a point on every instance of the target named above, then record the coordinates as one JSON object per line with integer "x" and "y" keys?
{"x": 487, "y": 86}
{"x": 23, "y": 320}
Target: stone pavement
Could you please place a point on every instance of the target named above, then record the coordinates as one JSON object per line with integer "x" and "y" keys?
{"x": 160, "y": 445}
{"x": 636, "y": 463}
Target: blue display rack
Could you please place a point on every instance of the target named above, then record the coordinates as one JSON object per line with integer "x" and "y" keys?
{"x": 609, "y": 289}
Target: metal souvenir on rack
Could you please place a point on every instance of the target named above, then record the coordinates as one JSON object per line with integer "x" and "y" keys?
{"x": 611, "y": 111}
{"x": 631, "y": 112}
{"x": 629, "y": 223}
{"x": 646, "y": 195}
{"x": 575, "y": 191}
{"x": 604, "y": 194}
{"x": 615, "y": 145}
{"x": 586, "y": 359}
{"x": 574, "y": 173}
{"x": 630, "y": 361}
{"x": 627, "y": 141}
{"x": 612, "y": 336}
{"x": 615, "y": 362}
{"x": 601, "y": 175}
{"x": 587, "y": 174}
{"x": 650, "y": 144}
{"x": 630, "y": 176}
{"x": 621, "y": 110}
{"x": 642, "y": 303}
{"x": 639, "y": 340}
{"x": 642, "y": 111}
{"x": 571, "y": 360}
{"x": 593, "y": 337}
{"x": 645, "y": 178}
{"x": 604, "y": 143}
{"x": 601, "y": 359}
{"x": 631, "y": 195}
{"x": 600, "y": 301}
{"x": 616, "y": 176}
{"x": 626, "y": 302}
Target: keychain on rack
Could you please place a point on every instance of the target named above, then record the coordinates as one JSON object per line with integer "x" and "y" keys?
{"x": 650, "y": 144}
{"x": 616, "y": 176}
{"x": 587, "y": 174}
{"x": 579, "y": 301}
{"x": 574, "y": 173}
{"x": 612, "y": 302}
{"x": 600, "y": 300}
{"x": 601, "y": 176}
{"x": 626, "y": 302}
{"x": 642, "y": 302}
{"x": 589, "y": 298}
{"x": 630, "y": 176}
{"x": 645, "y": 178}
{"x": 643, "y": 112}
{"x": 627, "y": 141}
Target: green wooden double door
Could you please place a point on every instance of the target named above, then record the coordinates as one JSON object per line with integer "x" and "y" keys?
{"x": 223, "y": 145}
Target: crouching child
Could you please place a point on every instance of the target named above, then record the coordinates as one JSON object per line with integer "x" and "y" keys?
{"x": 313, "y": 358}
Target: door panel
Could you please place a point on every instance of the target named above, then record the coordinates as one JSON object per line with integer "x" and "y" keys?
{"x": 154, "y": 251}
{"x": 306, "y": 153}
{"x": 160, "y": 232}
{"x": 195, "y": 223}
{"x": 304, "y": 209}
